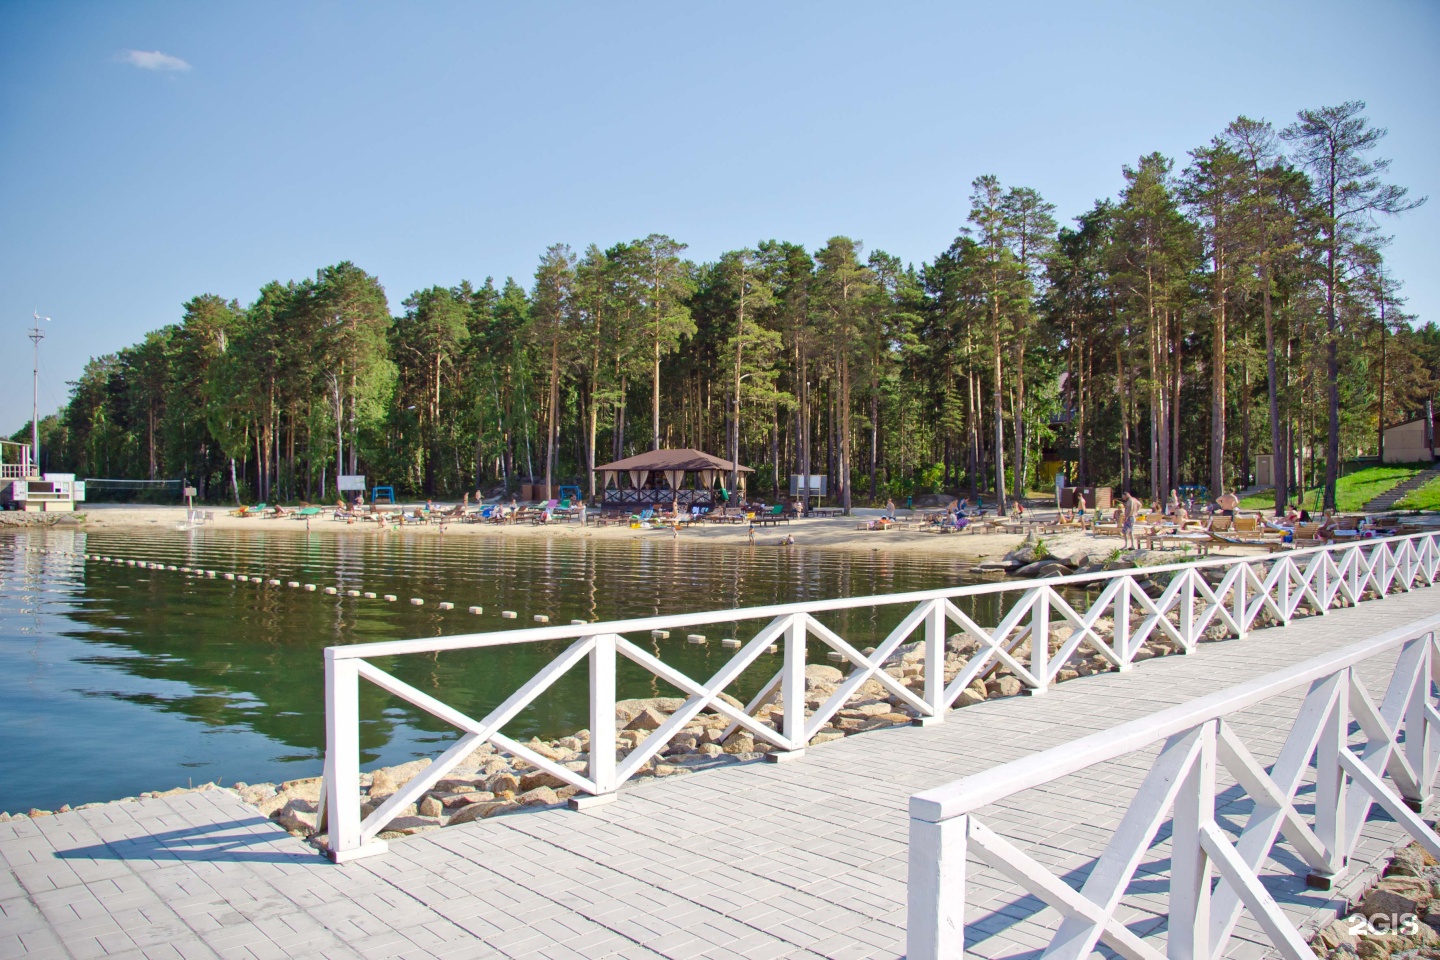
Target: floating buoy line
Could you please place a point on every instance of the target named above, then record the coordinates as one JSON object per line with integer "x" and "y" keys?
{"x": 346, "y": 593}
{"x": 257, "y": 579}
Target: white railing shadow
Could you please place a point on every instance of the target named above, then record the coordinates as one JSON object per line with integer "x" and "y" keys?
{"x": 1232, "y": 593}
{"x": 1393, "y": 767}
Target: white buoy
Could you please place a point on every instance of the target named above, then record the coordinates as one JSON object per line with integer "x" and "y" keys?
{"x": 446, "y": 606}
{"x": 229, "y": 576}
{"x": 292, "y": 584}
{"x": 331, "y": 590}
{"x": 696, "y": 638}
{"x": 578, "y": 623}
{"x": 730, "y": 643}
{"x": 660, "y": 634}
{"x": 391, "y": 598}
{"x": 310, "y": 587}
{"x": 541, "y": 618}
{"x": 369, "y": 596}
{"x": 172, "y": 568}
{"x": 477, "y": 609}
{"x": 835, "y": 656}
{"x": 774, "y": 648}
{"x": 417, "y": 601}
{"x": 352, "y": 593}
{"x": 210, "y": 574}
{"x": 274, "y": 583}
{"x": 508, "y": 614}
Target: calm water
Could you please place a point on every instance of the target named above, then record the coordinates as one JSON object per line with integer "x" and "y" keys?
{"x": 119, "y": 680}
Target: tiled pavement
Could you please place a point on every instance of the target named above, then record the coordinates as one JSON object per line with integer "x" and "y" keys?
{"x": 804, "y": 859}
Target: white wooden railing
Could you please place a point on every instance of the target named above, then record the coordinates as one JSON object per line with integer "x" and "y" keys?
{"x": 1247, "y": 588}
{"x": 1394, "y": 768}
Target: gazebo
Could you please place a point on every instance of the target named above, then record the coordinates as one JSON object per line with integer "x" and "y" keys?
{"x": 659, "y": 477}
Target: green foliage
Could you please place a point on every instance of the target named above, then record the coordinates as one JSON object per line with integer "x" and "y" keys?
{"x": 1353, "y": 490}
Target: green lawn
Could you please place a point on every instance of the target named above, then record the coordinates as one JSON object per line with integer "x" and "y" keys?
{"x": 1425, "y": 498}
{"x": 1355, "y": 490}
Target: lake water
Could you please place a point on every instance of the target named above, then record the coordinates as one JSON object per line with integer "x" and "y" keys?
{"x": 117, "y": 680}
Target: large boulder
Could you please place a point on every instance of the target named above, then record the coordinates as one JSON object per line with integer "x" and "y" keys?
{"x": 626, "y": 710}
{"x": 1044, "y": 568}
{"x": 821, "y": 673}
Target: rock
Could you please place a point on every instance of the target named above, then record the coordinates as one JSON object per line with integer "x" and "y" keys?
{"x": 1003, "y": 687}
{"x": 1335, "y": 934}
{"x": 647, "y": 719}
{"x": 477, "y": 811}
{"x": 1407, "y": 862}
{"x": 431, "y": 807}
{"x": 539, "y": 797}
{"x": 1044, "y": 568}
{"x": 382, "y": 784}
{"x": 1397, "y": 895}
{"x": 544, "y": 749}
{"x": 967, "y": 697}
{"x": 503, "y": 783}
{"x": 455, "y": 801}
{"x": 820, "y": 673}
{"x": 1118, "y": 565}
{"x": 710, "y": 749}
{"x": 626, "y": 710}
{"x": 825, "y": 736}
{"x": 531, "y": 781}
{"x": 740, "y": 743}
{"x": 409, "y": 827}
{"x": 297, "y": 816}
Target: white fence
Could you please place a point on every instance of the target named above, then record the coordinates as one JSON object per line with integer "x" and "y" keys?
{"x": 1243, "y": 589}
{"x": 1399, "y": 745}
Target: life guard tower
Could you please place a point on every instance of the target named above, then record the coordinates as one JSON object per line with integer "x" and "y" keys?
{"x": 22, "y": 487}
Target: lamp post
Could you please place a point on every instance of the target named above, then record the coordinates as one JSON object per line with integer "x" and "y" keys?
{"x": 36, "y": 335}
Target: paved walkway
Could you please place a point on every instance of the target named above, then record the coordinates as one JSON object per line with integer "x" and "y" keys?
{"x": 804, "y": 859}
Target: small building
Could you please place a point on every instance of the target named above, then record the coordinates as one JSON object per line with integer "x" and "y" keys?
{"x": 686, "y": 477}
{"x": 22, "y": 487}
{"x": 1411, "y": 441}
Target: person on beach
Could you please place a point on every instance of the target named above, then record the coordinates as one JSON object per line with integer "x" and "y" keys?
{"x": 1227, "y": 503}
{"x": 1173, "y": 503}
{"x": 890, "y": 509}
{"x": 751, "y": 534}
{"x": 1127, "y": 525}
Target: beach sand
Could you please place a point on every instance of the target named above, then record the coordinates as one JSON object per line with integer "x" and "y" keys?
{"x": 837, "y": 533}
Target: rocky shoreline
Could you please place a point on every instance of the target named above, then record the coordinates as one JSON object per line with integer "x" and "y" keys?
{"x": 490, "y": 783}
{"x": 1396, "y": 917}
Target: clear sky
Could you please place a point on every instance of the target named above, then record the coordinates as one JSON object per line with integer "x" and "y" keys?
{"x": 150, "y": 152}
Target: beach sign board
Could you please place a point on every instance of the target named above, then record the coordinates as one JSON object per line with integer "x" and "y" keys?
{"x": 349, "y": 483}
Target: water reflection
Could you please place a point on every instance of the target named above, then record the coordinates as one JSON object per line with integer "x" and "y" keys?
{"x": 116, "y": 679}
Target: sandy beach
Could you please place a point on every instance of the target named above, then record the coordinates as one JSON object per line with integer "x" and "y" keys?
{"x": 831, "y": 533}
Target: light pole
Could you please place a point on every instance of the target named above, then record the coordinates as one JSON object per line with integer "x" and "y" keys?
{"x": 36, "y": 335}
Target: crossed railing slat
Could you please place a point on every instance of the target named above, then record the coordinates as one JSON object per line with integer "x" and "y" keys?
{"x": 1188, "y": 606}
{"x": 1394, "y": 768}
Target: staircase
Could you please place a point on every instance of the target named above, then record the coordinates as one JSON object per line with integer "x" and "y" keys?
{"x": 1397, "y": 493}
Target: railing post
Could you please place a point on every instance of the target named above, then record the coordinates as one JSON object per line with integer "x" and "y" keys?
{"x": 1282, "y": 589}
{"x": 602, "y": 724}
{"x": 1187, "y": 610}
{"x": 1190, "y": 868}
{"x": 342, "y": 761}
{"x": 935, "y": 899}
{"x": 1122, "y": 623}
{"x": 1330, "y": 785}
{"x": 792, "y": 686}
{"x": 1240, "y": 602}
{"x": 1040, "y": 641}
{"x": 934, "y": 663}
{"x": 1417, "y": 729}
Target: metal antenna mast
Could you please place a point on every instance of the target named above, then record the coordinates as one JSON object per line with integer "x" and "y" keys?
{"x": 36, "y": 335}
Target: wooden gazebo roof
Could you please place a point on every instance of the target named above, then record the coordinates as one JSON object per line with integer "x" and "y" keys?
{"x": 681, "y": 459}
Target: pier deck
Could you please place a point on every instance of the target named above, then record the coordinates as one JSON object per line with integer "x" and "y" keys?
{"x": 803, "y": 859}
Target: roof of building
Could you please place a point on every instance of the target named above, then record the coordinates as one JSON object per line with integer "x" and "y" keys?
{"x": 681, "y": 459}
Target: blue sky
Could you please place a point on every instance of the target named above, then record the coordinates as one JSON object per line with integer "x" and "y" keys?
{"x": 150, "y": 152}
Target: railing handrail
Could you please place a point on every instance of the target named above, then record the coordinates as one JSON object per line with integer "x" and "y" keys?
{"x": 962, "y": 796}
{"x": 465, "y": 641}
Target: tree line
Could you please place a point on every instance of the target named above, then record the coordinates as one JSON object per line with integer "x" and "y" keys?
{"x": 1234, "y": 304}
